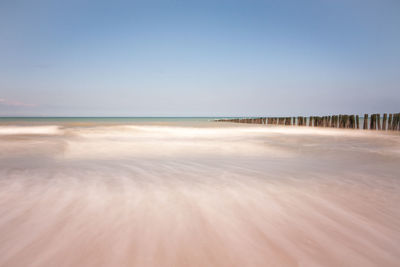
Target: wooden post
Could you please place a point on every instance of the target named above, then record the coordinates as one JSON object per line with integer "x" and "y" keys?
{"x": 371, "y": 122}
{"x": 365, "y": 127}
{"x": 390, "y": 122}
{"x": 384, "y": 121}
{"x": 358, "y": 122}
{"x": 396, "y": 122}
{"x": 344, "y": 121}
{"x": 351, "y": 121}
{"x": 372, "y": 125}
{"x": 378, "y": 121}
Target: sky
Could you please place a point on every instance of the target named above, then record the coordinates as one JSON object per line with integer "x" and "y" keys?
{"x": 199, "y": 58}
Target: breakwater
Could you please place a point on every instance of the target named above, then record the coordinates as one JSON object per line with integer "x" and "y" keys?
{"x": 372, "y": 122}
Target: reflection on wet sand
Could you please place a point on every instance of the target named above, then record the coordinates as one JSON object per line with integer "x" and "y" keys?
{"x": 159, "y": 195}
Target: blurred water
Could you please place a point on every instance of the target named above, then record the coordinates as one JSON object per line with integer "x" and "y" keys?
{"x": 197, "y": 193}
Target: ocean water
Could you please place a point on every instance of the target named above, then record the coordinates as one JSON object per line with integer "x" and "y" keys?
{"x": 193, "y": 192}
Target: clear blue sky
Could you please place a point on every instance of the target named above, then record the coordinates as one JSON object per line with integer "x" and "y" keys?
{"x": 199, "y": 58}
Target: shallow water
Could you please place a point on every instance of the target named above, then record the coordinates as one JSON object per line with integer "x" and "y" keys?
{"x": 197, "y": 194}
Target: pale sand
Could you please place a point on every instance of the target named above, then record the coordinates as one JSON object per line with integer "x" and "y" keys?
{"x": 215, "y": 195}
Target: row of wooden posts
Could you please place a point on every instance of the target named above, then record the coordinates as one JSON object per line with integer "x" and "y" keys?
{"x": 374, "y": 122}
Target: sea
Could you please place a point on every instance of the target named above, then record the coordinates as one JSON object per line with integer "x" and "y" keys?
{"x": 196, "y": 192}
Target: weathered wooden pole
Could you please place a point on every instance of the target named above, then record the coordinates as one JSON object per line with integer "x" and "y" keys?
{"x": 372, "y": 125}
{"x": 371, "y": 122}
{"x": 351, "y": 121}
{"x": 378, "y": 121}
{"x": 384, "y": 121}
{"x": 390, "y": 122}
{"x": 365, "y": 127}
{"x": 396, "y": 122}
{"x": 358, "y": 122}
{"x": 343, "y": 124}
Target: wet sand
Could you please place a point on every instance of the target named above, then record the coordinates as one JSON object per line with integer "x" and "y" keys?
{"x": 207, "y": 194}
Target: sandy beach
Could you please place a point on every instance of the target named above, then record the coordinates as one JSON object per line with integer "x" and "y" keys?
{"x": 197, "y": 194}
